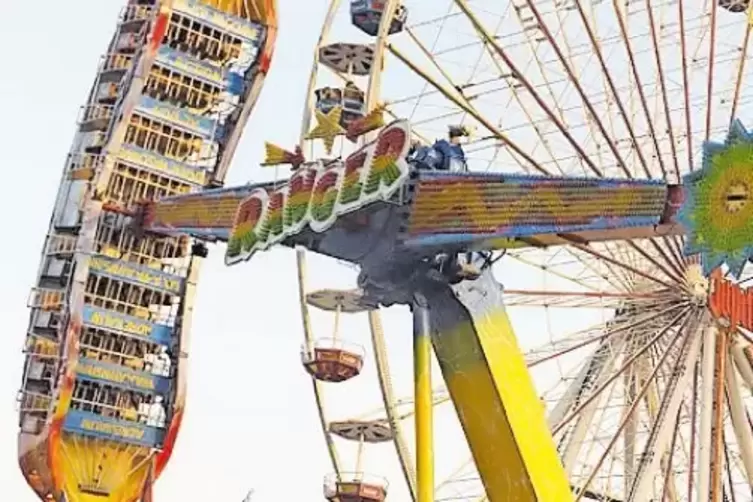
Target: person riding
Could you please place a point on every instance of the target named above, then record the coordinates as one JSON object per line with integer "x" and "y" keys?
{"x": 444, "y": 154}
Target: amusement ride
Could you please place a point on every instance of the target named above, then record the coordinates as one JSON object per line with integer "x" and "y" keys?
{"x": 573, "y": 173}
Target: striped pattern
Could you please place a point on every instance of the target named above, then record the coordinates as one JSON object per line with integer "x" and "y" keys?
{"x": 471, "y": 205}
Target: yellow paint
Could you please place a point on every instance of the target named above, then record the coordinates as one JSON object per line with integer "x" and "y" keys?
{"x": 106, "y": 320}
{"x": 327, "y": 127}
{"x": 500, "y": 411}
{"x": 424, "y": 418}
{"x": 253, "y": 10}
{"x": 122, "y": 475}
{"x": 114, "y": 375}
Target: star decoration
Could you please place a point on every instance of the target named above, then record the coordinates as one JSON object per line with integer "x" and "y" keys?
{"x": 718, "y": 207}
{"x": 327, "y": 127}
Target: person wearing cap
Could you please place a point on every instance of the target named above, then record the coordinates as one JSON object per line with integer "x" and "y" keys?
{"x": 453, "y": 156}
{"x": 444, "y": 154}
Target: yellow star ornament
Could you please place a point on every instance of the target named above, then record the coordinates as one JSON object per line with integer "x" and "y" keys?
{"x": 327, "y": 127}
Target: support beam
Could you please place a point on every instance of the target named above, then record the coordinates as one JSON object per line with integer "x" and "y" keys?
{"x": 602, "y": 369}
{"x": 664, "y": 425}
{"x": 703, "y": 485}
{"x": 493, "y": 393}
{"x": 423, "y": 400}
{"x": 740, "y": 423}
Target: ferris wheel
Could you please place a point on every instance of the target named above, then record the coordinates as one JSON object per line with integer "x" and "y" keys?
{"x": 645, "y": 382}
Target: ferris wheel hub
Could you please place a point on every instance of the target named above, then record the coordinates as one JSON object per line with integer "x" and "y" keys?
{"x": 698, "y": 285}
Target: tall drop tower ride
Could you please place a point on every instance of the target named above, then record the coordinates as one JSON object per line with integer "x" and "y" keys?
{"x": 104, "y": 381}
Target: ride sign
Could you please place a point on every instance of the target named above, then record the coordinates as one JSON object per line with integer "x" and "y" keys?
{"x": 316, "y": 196}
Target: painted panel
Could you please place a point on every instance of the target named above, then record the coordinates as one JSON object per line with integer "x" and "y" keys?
{"x": 179, "y": 117}
{"x": 97, "y": 371}
{"x": 139, "y": 157}
{"x": 89, "y": 424}
{"x": 210, "y": 213}
{"x": 451, "y": 207}
{"x": 188, "y": 65}
{"x": 129, "y": 325}
{"x": 130, "y": 272}
{"x": 237, "y": 26}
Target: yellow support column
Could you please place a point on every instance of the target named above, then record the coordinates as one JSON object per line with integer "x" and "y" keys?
{"x": 494, "y": 395}
{"x": 424, "y": 401}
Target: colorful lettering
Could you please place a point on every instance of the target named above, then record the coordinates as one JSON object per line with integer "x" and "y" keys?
{"x": 247, "y": 229}
{"x": 123, "y": 270}
{"x": 299, "y": 199}
{"x": 119, "y": 324}
{"x": 197, "y": 213}
{"x": 351, "y": 185}
{"x": 324, "y": 198}
{"x": 385, "y": 171}
{"x": 161, "y": 164}
{"x": 275, "y": 217}
{"x": 113, "y": 429}
{"x": 113, "y": 375}
{"x": 234, "y": 25}
{"x": 316, "y": 197}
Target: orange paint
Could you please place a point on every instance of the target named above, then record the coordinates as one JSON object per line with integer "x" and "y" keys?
{"x": 730, "y": 301}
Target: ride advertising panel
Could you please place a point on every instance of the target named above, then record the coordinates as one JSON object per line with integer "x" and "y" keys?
{"x": 316, "y": 195}
{"x": 179, "y": 117}
{"x": 183, "y": 63}
{"x": 129, "y": 325}
{"x": 207, "y": 215}
{"x": 90, "y": 424}
{"x": 129, "y": 272}
{"x": 98, "y": 371}
{"x": 139, "y": 157}
{"x": 240, "y": 27}
{"x": 465, "y": 206}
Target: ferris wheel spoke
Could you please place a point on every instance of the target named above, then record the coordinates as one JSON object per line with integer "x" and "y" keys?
{"x": 663, "y": 88}
{"x": 535, "y": 357}
{"x": 464, "y": 105}
{"x": 594, "y": 375}
{"x": 681, "y": 318}
{"x": 577, "y": 299}
{"x": 740, "y": 425}
{"x": 579, "y": 88}
{"x": 672, "y": 261}
{"x": 639, "y": 87}
{"x": 428, "y": 52}
{"x": 489, "y": 39}
{"x": 740, "y": 71}
{"x": 634, "y": 270}
{"x": 612, "y": 90}
{"x": 658, "y": 447}
{"x": 685, "y": 83}
{"x": 538, "y": 126}
{"x": 643, "y": 391}
{"x": 617, "y": 276}
{"x": 710, "y": 75}
{"x": 670, "y": 274}
{"x": 521, "y": 258}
